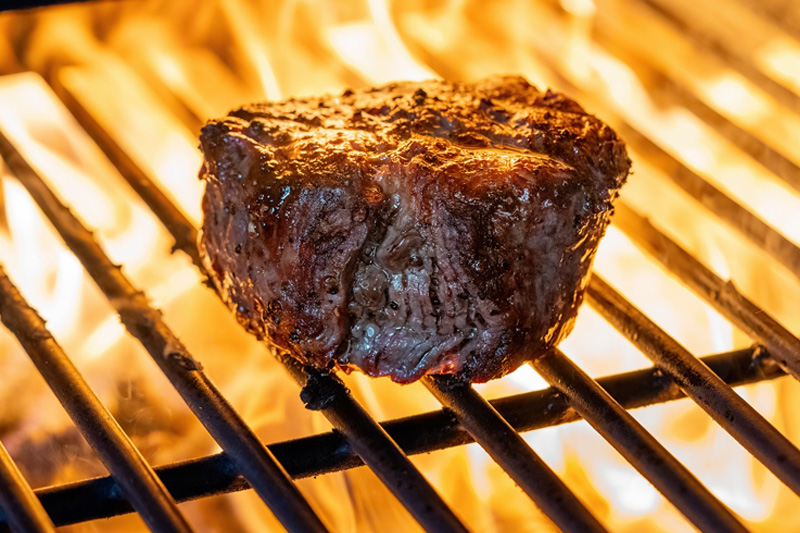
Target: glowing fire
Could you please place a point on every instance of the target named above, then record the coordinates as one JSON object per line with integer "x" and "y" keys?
{"x": 150, "y": 72}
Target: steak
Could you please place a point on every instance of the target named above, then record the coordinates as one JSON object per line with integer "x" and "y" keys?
{"x": 410, "y": 229}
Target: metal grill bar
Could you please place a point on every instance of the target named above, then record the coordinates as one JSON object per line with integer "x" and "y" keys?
{"x": 138, "y": 481}
{"x": 722, "y": 295}
{"x": 9, "y": 5}
{"x": 167, "y": 212}
{"x": 146, "y": 324}
{"x": 326, "y": 392}
{"x": 720, "y": 401}
{"x": 18, "y": 501}
{"x": 424, "y": 433}
{"x": 639, "y": 447}
{"x": 512, "y": 453}
{"x": 377, "y": 449}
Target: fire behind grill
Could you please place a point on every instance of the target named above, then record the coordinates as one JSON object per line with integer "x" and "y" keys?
{"x": 360, "y": 440}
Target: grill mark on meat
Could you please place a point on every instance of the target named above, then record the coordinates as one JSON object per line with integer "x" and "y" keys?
{"x": 409, "y": 229}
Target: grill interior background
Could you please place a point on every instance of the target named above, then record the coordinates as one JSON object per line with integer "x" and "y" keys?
{"x": 735, "y": 76}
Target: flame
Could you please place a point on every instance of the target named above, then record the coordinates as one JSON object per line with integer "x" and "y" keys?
{"x": 150, "y": 72}
{"x": 780, "y": 57}
{"x": 374, "y": 48}
{"x": 255, "y": 48}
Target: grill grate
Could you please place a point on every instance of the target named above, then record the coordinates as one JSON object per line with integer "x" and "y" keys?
{"x": 137, "y": 479}
{"x": 482, "y": 422}
{"x": 699, "y": 383}
{"x": 634, "y": 443}
{"x": 418, "y": 434}
{"x": 357, "y": 438}
{"x": 146, "y": 324}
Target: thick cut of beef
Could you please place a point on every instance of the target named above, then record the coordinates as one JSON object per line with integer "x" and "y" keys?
{"x": 410, "y": 229}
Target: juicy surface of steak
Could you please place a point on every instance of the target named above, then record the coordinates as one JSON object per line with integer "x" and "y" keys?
{"x": 411, "y": 229}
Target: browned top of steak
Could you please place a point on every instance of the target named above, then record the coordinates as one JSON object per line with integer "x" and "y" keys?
{"x": 414, "y": 228}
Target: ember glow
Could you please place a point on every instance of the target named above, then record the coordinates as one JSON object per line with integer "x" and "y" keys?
{"x": 150, "y": 72}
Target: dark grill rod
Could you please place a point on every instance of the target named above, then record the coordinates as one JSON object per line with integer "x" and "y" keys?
{"x": 424, "y": 433}
{"x": 366, "y": 437}
{"x": 9, "y": 5}
{"x": 145, "y": 323}
{"x": 377, "y": 449}
{"x": 782, "y": 345}
{"x": 138, "y": 481}
{"x": 18, "y": 501}
{"x": 720, "y": 401}
{"x": 633, "y": 442}
{"x": 508, "y": 449}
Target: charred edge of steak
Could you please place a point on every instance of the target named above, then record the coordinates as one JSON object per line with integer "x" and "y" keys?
{"x": 410, "y": 229}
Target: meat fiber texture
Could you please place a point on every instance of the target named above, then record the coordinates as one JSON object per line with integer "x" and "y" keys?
{"x": 410, "y": 229}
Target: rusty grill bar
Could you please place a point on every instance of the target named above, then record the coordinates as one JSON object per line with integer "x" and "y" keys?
{"x": 358, "y": 439}
{"x": 23, "y": 510}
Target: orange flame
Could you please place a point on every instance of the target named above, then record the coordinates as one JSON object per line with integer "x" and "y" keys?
{"x": 150, "y": 72}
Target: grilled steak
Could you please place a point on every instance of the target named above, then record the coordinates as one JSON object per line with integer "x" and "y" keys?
{"x": 411, "y": 229}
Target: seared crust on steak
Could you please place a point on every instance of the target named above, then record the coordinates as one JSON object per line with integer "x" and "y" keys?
{"x": 410, "y": 229}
